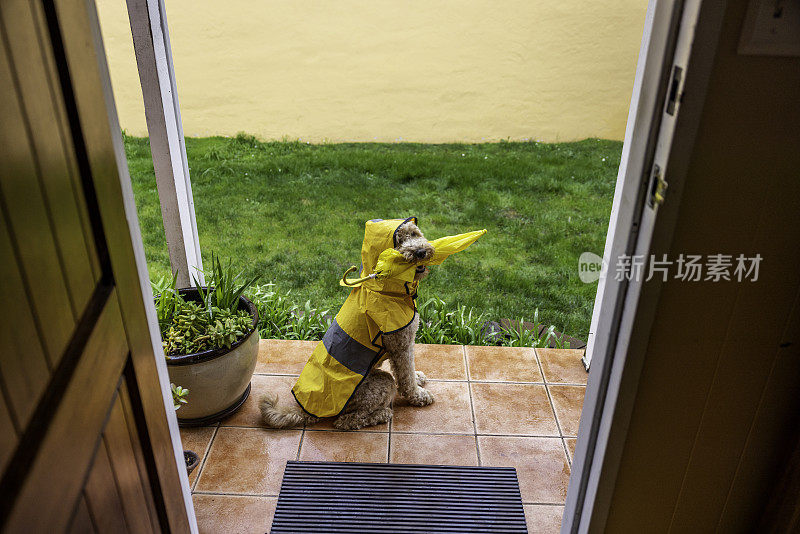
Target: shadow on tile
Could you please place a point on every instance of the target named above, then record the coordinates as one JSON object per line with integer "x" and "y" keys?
{"x": 327, "y": 424}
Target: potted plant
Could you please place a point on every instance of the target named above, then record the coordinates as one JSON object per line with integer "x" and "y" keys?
{"x": 210, "y": 338}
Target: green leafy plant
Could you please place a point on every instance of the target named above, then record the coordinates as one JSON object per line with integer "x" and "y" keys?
{"x": 224, "y": 286}
{"x": 167, "y": 299}
{"x": 308, "y": 323}
{"x": 279, "y": 318}
{"x": 519, "y": 336}
{"x": 560, "y": 342}
{"x": 274, "y": 310}
{"x": 438, "y": 324}
{"x": 179, "y": 395}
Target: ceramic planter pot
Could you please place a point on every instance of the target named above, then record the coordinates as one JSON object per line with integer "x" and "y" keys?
{"x": 218, "y": 380}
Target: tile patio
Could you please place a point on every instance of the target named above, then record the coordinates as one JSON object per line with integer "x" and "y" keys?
{"x": 495, "y": 406}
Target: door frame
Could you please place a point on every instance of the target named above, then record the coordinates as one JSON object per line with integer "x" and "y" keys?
{"x": 624, "y": 310}
{"x": 686, "y": 34}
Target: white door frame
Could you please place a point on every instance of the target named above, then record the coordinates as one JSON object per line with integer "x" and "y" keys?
{"x": 683, "y": 34}
{"x": 151, "y": 44}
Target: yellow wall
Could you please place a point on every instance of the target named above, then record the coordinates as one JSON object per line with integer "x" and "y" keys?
{"x": 428, "y": 71}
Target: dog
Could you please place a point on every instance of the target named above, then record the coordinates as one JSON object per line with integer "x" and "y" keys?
{"x": 370, "y": 403}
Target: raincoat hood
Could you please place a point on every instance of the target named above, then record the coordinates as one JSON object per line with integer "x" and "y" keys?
{"x": 385, "y": 269}
{"x": 379, "y": 235}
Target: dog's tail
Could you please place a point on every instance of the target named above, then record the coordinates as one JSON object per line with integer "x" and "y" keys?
{"x": 282, "y": 417}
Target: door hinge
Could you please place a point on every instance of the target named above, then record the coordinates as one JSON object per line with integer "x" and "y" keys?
{"x": 658, "y": 187}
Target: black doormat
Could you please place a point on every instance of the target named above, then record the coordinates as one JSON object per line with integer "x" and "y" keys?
{"x": 362, "y": 498}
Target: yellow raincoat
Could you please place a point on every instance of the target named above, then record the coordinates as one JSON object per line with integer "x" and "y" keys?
{"x": 381, "y": 302}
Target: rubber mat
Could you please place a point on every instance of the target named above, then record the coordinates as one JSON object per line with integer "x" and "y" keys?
{"x": 363, "y": 498}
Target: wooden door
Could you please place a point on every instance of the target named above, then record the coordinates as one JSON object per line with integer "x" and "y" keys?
{"x": 85, "y": 433}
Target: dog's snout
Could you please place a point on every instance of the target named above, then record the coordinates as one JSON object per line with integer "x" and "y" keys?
{"x": 420, "y": 253}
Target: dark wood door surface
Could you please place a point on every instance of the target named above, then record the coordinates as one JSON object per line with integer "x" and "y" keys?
{"x": 84, "y": 433}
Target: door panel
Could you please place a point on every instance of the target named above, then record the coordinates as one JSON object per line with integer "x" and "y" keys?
{"x": 105, "y": 158}
{"x": 129, "y": 480}
{"x": 8, "y": 435}
{"x": 138, "y": 454}
{"x": 103, "y": 499}
{"x": 28, "y": 221}
{"x": 55, "y": 169}
{"x": 73, "y": 433}
{"x": 86, "y": 425}
{"x": 23, "y": 368}
{"x": 671, "y": 79}
{"x": 82, "y": 521}
{"x": 61, "y": 123}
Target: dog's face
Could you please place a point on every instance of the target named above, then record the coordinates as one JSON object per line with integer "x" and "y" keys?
{"x": 414, "y": 247}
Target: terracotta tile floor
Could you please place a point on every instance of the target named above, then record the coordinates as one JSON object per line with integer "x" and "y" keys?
{"x": 494, "y": 406}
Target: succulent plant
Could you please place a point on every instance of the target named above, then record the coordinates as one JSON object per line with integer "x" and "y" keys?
{"x": 192, "y": 329}
{"x": 178, "y": 395}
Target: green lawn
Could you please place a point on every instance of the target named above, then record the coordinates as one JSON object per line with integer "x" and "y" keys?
{"x": 294, "y": 213}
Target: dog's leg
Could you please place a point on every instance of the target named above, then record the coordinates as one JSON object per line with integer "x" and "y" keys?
{"x": 400, "y": 347}
{"x": 354, "y": 421}
{"x": 421, "y": 379}
{"x": 371, "y": 404}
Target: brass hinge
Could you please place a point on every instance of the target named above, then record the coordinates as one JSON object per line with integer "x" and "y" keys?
{"x": 658, "y": 187}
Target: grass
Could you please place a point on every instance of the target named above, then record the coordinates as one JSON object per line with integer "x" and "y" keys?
{"x": 294, "y": 214}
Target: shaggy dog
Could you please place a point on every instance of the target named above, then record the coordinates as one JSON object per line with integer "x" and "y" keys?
{"x": 371, "y": 403}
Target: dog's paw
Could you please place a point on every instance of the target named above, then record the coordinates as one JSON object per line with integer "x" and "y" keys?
{"x": 421, "y": 378}
{"x": 421, "y": 397}
{"x": 347, "y": 422}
